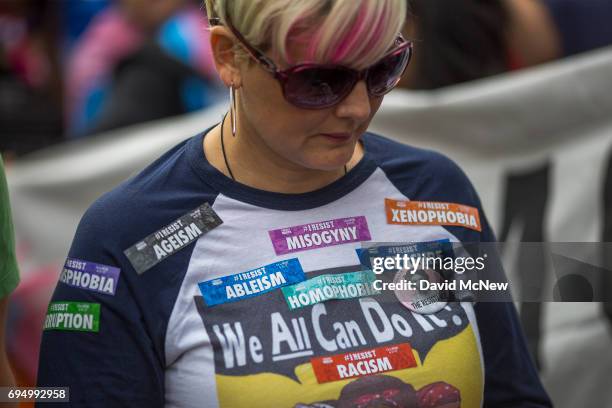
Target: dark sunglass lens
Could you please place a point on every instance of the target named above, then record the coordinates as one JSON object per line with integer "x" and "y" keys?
{"x": 317, "y": 88}
{"x": 385, "y": 74}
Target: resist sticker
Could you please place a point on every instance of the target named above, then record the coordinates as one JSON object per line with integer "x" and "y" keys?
{"x": 172, "y": 238}
{"x": 362, "y": 363}
{"x": 90, "y": 276}
{"x": 403, "y": 212}
{"x": 73, "y": 316}
{"x": 251, "y": 283}
{"x": 320, "y": 234}
{"x": 325, "y": 287}
{"x": 435, "y": 249}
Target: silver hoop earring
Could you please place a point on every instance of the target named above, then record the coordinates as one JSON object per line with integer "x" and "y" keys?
{"x": 233, "y": 109}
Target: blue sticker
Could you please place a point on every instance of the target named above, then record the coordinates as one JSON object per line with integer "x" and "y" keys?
{"x": 90, "y": 276}
{"x": 442, "y": 248}
{"x": 252, "y": 283}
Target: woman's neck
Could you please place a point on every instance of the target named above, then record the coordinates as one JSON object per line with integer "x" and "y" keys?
{"x": 254, "y": 164}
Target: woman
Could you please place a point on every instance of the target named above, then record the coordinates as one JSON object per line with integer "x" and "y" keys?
{"x": 226, "y": 273}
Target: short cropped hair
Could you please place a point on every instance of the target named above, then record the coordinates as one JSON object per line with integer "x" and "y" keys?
{"x": 354, "y": 33}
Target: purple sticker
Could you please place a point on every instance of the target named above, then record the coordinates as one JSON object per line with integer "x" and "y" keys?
{"x": 320, "y": 234}
{"x": 90, "y": 276}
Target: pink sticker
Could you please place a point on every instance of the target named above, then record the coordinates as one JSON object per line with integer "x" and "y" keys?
{"x": 320, "y": 234}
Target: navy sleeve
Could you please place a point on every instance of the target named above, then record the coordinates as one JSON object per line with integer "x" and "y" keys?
{"x": 118, "y": 366}
{"x": 511, "y": 379}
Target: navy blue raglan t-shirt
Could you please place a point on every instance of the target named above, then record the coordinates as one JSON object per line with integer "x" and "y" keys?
{"x": 218, "y": 314}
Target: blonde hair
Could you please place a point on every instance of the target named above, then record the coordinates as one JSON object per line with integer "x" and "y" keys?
{"x": 355, "y": 33}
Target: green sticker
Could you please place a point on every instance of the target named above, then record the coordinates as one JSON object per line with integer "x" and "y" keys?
{"x": 325, "y": 287}
{"x": 73, "y": 316}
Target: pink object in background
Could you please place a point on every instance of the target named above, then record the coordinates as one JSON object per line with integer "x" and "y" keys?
{"x": 195, "y": 28}
{"x": 109, "y": 38}
{"x": 27, "y": 311}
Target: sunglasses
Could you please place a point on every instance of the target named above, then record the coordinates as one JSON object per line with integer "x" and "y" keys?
{"x": 321, "y": 86}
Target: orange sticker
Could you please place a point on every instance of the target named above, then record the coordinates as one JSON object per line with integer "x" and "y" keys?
{"x": 431, "y": 213}
{"x": 362, "y": 363}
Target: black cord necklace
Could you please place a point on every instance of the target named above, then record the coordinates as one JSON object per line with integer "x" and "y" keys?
{"x": 229, "y": 169}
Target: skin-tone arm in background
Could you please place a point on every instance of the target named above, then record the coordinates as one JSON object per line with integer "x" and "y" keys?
{"x": 532, "y": 32}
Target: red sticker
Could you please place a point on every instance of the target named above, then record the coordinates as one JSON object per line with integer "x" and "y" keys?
{"x": 362, "y": 363}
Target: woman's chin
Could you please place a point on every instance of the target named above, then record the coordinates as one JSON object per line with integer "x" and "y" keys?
{"x": 331, "y": 161}
{"x": 329, "y": 166}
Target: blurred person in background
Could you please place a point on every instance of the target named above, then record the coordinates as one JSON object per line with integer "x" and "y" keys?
{"x": 30, "y": 80}
{"x": 9, "y": 274}
{"x": 466, "y": 40}
{"x": 139, "y": 61}
{"x": 455, "y": 42}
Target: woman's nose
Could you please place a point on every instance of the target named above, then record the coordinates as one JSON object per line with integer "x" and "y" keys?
{"x": 357, "y": 104}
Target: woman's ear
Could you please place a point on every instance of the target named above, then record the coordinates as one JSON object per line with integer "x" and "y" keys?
{"x": 223, "y": 48}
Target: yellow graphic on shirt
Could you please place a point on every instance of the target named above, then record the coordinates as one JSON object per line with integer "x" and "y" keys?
{"x": 450, "y": 377}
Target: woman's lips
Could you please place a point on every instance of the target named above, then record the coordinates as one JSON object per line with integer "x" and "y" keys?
{"x": 340, "y": 137}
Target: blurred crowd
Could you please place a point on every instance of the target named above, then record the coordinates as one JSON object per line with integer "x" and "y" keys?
{"x": 75, "y": 68}
{"x": 71, "y": 69}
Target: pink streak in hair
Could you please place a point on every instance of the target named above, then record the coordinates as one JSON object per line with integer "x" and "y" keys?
{"x": 378, "y": 33}
{"x": 348, "y": 41}
{"x": 346, "y": 44}
{"x": 351, "y": 38}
